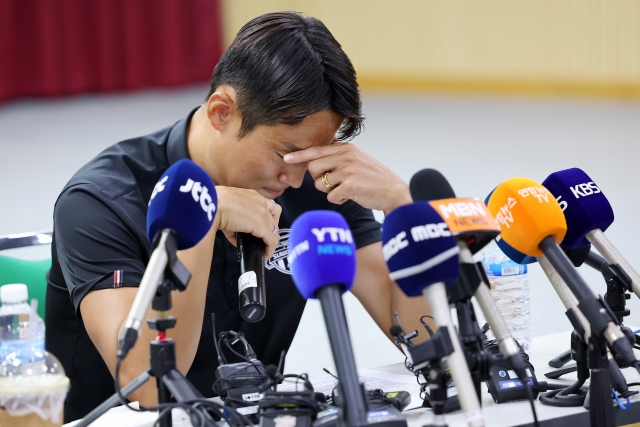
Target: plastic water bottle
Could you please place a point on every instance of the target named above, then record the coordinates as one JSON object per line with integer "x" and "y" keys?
{"x": 21, "y": 329}
{"x": 510, "y": 291}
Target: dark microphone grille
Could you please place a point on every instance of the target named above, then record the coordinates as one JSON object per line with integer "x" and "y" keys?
{"x": 271, "y": 371}
{"x": 429, "y": 184}
{"x": 395, "y": 330}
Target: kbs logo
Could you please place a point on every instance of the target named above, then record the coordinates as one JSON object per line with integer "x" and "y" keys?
{"x": 418, "y": 234}
{"x": 200, "y": 194}
{"x": 279, "y": 259}
{"x": 584, "y": 190}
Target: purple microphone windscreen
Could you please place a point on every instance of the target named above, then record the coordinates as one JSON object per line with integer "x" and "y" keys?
{"x": 429, "y": 184}
{"x": 321, "y": 252}
{"x": 515, "y": 256}
{"x": 585, "y": 207}
{"x": 184, "y": 200}
{"x": 419, "y": 248}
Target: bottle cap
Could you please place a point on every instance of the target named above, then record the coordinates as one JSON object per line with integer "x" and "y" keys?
{"x": 14, "y": 293}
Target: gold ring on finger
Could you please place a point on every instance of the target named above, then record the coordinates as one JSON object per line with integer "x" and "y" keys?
{"x": 326, "y": 182}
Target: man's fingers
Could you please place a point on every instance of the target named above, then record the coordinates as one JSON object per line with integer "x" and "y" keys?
{"x": 313, "y": 153}
{"x": 333, "y": 178}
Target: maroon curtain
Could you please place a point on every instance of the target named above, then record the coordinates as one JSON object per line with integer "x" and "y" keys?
{"x": 61, "y": 47}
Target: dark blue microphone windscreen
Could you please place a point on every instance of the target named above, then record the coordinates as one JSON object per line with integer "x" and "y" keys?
{"x": 184, "y": 200}
{"x": 419, "y": 248}
{"x": 321, "y": 252}
{"x": 584, "y": 205}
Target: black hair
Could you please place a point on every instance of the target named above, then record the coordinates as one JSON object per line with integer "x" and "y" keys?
{"x": 284, "y": 67}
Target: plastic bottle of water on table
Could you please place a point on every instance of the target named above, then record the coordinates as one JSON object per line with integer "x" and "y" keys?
{"x": 510, "y": 291}
{"x": 33, "y": 385}
{"x": 21, "y": 329}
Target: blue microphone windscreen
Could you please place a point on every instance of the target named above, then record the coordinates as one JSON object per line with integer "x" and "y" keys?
{"x": 184, "y": 200}
{"x": 585, "y": 207}
{"x": 321, "y": 252}
{"x": 514, "y": 255}
{"x": 419, "y": 248}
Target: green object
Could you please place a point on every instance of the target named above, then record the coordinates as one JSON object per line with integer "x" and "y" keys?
{"x": 31, "y": 273}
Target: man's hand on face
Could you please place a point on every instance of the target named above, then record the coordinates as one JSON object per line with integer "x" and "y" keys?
{"x": 354, "y": 175}
{"x": 245, "y": 211}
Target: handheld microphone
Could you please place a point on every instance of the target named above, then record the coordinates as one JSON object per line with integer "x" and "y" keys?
{"x": 532, "y": 222}
{"x": 251, "y": 285}
{"x": 322, "y": 258}
{"x": 470, "y": 218}
{"x": 588, "y": 214}
{"x": 422, "y": 256}
{"x": 181, "y": 211}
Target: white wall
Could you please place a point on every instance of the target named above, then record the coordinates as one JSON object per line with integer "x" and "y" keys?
{"x": 477, "y": 142}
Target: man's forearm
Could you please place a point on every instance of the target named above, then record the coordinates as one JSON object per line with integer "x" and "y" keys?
{"x": 410, "y": 310}
{"x": 188, "y": 308}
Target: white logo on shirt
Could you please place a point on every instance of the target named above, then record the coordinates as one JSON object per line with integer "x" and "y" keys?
{"x": 279, "y": 258}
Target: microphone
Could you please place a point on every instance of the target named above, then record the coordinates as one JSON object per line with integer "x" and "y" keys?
{"x": 422, "y": 256}
{"x": 468, "y": 219}
{"x": 251, "y": 285}
{"x": 532, "y": 222}
{"x": 322, "y": 259}
{"x": 588, "y": 214}
{"x": 181, "y": 211}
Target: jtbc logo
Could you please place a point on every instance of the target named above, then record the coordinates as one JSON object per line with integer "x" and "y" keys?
{"x": 586, "y": 189}
{"x": 200, "y": 194}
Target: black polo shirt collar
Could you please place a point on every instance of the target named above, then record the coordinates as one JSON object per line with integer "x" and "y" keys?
{"x": 177, "y": 147}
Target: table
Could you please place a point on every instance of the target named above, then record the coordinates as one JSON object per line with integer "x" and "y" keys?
{"x": 514, "y": 414}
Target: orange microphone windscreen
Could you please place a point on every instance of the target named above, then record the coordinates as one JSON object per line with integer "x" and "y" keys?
{"x": 527, "y": 213}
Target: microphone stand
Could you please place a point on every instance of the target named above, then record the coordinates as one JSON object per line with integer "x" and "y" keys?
{"x": 162, "y": 353}
{"x": 471, "y": 337}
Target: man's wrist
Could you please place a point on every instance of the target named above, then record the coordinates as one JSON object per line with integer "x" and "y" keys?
{"x": 403, "y": 197}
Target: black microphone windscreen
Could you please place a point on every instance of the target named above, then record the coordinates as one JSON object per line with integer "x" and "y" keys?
{"x": 429, "y": 184}
{"x": 271, "y": 371}
{"x": 395, "y": 330}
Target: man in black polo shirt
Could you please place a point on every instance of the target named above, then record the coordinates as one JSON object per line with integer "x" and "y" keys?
{"x": 267, "y": 131}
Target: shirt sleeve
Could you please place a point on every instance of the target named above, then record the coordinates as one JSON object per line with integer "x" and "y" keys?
{"x": 364, "y": 227}
{"x": 95, "y": 247}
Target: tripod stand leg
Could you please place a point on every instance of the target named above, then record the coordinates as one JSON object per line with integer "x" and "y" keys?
{"x": 164, "y": 396}
{"x": 600, "y": 402}
{"x": 114, "y": 400}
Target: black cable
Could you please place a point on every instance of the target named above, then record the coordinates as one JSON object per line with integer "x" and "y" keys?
{"x": 191, "y": 407}
{"x": 527, "y": 387}
{"x": 427, "y": 327}
{"x": 221, "y": 359}
{"x": 573, "y": 395}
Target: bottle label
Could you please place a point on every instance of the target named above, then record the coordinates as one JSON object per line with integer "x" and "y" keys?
{"x": 507, "y": 268}
{"x": 247, "y": 280}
